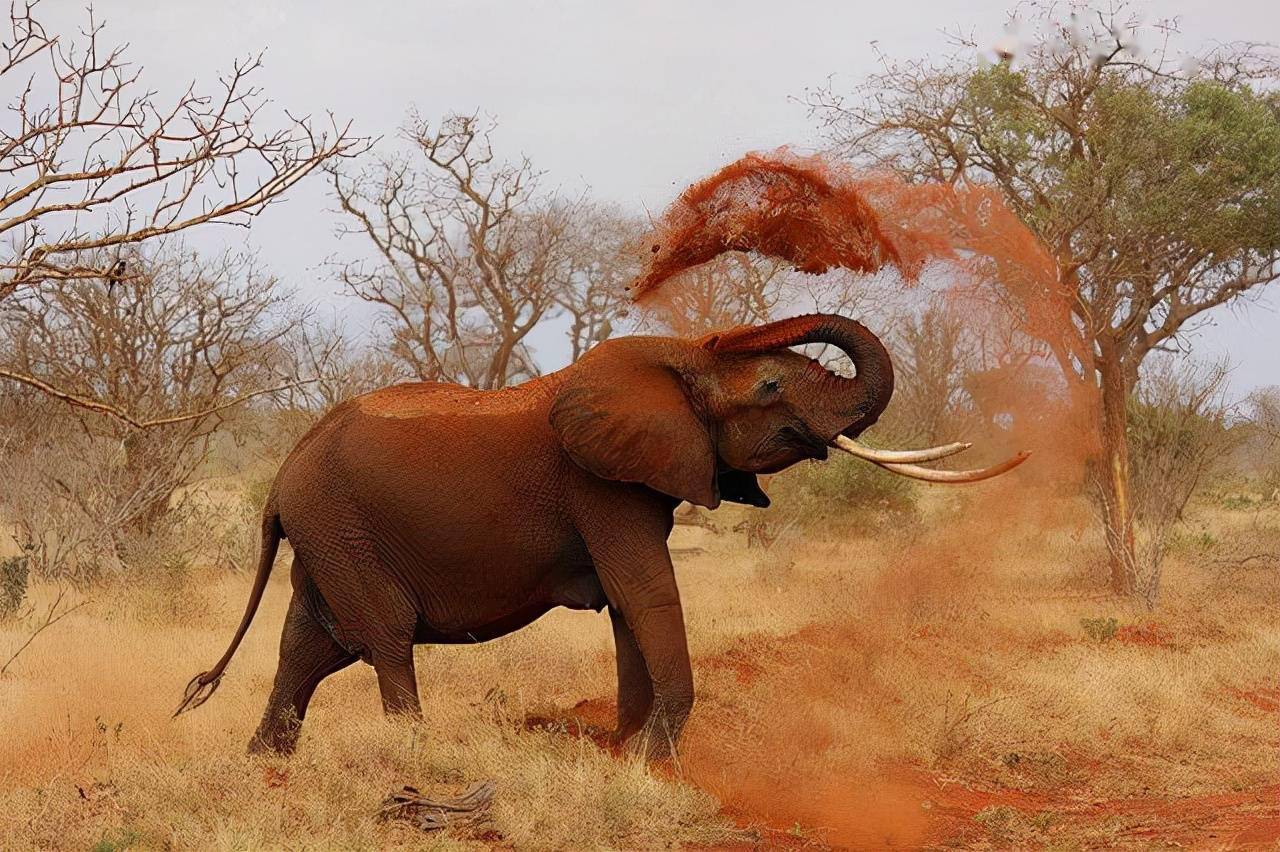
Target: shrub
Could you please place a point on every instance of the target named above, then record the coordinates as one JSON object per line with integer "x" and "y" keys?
{"x": 847, "y": 491}
{"x": 1100, "y": 629}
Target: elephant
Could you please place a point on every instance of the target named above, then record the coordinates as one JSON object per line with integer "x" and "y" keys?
{"x": 436, "y": 513}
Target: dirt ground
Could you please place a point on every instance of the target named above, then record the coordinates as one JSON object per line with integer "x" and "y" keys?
{"x": 936, "y": 686}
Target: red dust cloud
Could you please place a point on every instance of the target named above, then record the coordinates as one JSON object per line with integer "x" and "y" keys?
{"x": 794, "y": 208}
{"x": 818, "y": 215}
{"x": 1004, "y": 284}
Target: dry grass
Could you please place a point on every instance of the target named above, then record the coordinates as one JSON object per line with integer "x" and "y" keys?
{"x": 851, "y": 690}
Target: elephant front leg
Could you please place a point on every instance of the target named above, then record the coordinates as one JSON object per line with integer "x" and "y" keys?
{"x": 635, "y": 570}
{"x": 635, "y": 689}
{"x": 660, "y": 636}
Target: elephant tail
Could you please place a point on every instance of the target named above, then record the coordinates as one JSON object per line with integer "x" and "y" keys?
{"x": 203, "y": 685}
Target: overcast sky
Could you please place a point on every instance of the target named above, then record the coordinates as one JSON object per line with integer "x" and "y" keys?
{"x": 632, "y": 100}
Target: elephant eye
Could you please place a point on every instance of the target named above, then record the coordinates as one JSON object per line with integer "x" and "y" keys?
{"x": 769, "y": 387}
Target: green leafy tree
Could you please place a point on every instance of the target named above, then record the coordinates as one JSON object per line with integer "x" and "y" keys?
{"x": 1152, "y": 177}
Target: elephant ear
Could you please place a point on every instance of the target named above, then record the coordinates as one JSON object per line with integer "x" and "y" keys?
{"x": 628, "y": 419}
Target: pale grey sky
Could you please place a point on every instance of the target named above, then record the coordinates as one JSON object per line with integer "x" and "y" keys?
{"x": 632, "y": 100}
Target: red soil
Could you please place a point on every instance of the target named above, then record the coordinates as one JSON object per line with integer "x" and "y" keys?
{"x": 1143, "y": 634}
{"x": 767, "y": 786}
{"x": 1266, "y": 699}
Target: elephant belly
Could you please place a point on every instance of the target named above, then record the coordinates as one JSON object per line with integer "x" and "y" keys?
{"x": 578, "y": 591}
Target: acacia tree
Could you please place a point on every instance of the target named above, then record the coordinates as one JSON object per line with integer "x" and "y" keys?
{"x": 93, "y": 163}
{"x": 470, "y": 255}
{"x": 1152, "y": 179}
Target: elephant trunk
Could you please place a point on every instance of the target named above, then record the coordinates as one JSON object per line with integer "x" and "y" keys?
{"x": 847, "y": 406}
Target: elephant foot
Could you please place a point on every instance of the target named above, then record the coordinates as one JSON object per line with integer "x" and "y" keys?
{"x": 279, "y": 746}
{"x": 280, "y": 739}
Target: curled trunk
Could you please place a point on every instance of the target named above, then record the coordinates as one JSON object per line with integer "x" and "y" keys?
{"x": 847, "y": 406}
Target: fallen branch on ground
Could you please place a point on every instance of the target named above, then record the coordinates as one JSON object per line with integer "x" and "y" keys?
{"x": 409, "y": 804}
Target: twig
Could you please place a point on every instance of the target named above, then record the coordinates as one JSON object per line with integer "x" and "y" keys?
{"x": 50, "y": 619}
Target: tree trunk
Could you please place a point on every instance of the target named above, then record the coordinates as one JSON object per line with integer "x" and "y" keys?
{"x": 1113, "y": 476}
{"x": 153, "y": 500}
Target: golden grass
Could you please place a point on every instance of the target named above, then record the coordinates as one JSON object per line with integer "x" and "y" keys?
{"x": 824, "y": 667}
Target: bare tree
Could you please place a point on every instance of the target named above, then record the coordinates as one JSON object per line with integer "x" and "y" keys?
{"x": 932, "y": 358}
{"x": 1152, "y": 179}
{"x": 94, "y": 164}
{"x": 181, "y": 334}
{"x": 1178, "y": 428}
{"x": 733, "y": 289}
{"x": 602, "y": 262}
{"x": 471, "y": 256}
{"x": 341, "y": 368}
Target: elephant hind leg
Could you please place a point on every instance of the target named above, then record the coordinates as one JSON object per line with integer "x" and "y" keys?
{"x": 397, "y": 681}
{"x": 308, "y": 654}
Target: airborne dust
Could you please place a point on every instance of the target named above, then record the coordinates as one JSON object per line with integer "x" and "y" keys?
{"x": 962, "y": 245}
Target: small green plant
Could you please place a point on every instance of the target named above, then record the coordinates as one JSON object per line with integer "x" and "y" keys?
{"x": 1100, "y": 629}
{"x": 15, "y": 573}
{"x": 118, "y": 842}
{"x": 1238, "y": 502}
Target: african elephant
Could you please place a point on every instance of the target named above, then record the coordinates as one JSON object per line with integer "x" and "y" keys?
{"x": 433, "y": 513}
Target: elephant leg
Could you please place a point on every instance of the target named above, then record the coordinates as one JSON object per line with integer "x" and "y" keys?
{"x": 397, "y": 681}
{"x": 635, "y": 689}
{"x": 659, "y": 632}
{"x": 635, "y": 570}
{"x": 308, "y": 655}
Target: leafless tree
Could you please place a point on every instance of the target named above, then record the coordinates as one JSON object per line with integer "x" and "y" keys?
{"x": 181, "y": 334}
{"x": 471, "y": 255}
{"x": 602, "y": 261}
{"x": 340, "y": 367}
{"x": 932, "y": 358}
{"x": 734, "y": 289}
{"x": 94, "y": 163}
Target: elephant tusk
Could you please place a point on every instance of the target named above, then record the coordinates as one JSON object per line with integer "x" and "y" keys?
{"x": 931, "y": 475}
{"x": 898, "y": 456}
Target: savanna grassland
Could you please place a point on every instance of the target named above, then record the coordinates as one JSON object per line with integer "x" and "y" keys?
{"x": 953, "y": 678}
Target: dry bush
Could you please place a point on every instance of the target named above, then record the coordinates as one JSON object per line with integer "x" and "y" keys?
{"x": 1263, "y": 440}
{"x": 15, "y": 574}
{"x": 90, "y": 493}
{"x": 847, "y": 493}
{"x": 1178, "y": 427}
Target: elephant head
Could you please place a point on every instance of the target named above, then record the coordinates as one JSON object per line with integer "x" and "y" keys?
{"x": 697, "y": 419}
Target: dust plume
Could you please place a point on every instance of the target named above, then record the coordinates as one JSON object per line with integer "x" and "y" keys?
{"x": 961, "y": 247}
{"x": 959, "y": 242}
